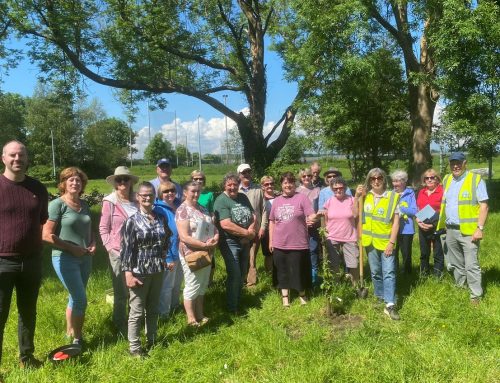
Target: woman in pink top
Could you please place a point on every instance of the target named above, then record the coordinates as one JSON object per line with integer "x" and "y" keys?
{"x": 341, "y": 213}
{"x": 289, "y": 240}
{"x": 116, "y": 208}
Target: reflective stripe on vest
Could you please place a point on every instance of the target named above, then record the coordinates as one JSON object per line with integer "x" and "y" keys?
{"x": 468, "y": 208}
{"x": 377, "y": 222}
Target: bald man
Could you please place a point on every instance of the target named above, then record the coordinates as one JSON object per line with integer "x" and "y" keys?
{"x": 23, "y": 211}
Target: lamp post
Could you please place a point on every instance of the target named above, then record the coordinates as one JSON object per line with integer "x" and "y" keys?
{"x": 199, "y": 144}
{"x": 175, "y": 127}
{"x": 53, "y": 154}
{"x": 149, "y": 123}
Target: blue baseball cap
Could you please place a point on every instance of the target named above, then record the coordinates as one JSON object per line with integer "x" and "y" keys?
{"x": 457, "y": 156}
{"x": 163, "y": 161}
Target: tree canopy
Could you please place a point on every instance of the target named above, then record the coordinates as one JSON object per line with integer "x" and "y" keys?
{"x": 198, "y": 48}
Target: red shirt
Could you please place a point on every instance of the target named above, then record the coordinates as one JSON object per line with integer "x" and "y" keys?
{"x": 434, "y": 199}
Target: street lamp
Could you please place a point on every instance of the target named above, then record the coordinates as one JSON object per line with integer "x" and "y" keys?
{"x": 175, "y": 127}
{"x": 199, "y": 144}
{"x": 225, "y": 123}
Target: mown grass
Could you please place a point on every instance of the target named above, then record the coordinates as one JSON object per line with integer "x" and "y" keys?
{"x": 441, "y": 337}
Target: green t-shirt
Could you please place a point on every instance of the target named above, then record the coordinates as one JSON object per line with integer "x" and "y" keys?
{"x": 206, "y": 200}
{"x": 239, "y": 210}
{"x": 72, "y": 226}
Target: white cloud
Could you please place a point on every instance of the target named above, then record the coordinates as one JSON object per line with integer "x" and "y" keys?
{"x": 212, "y": 132}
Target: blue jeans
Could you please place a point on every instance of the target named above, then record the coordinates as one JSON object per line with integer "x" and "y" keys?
{"x": 74, "y": 273}
{"x": 383, "y": 271}
{"x": 314, "y": 252}
{"x": 236, "y": 258}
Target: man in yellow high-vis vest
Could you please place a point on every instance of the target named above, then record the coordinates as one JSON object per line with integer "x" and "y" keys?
{"x": 463, "y": 212}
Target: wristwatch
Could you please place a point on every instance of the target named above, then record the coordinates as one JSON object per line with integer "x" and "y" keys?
{"x": 480, "y": 227}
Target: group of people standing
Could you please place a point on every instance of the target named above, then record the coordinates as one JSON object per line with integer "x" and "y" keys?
{"x": 163, "y": 234}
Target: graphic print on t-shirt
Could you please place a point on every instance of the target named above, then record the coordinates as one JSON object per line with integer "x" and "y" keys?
{"x": 241, "y": 215}
{"x": 285, "y": 213}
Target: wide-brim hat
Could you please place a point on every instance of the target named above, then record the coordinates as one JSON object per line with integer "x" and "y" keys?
{"x": 121, "y": 171}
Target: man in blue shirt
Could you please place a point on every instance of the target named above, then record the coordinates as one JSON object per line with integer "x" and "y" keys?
{"x": 464, "y": 210}
{"x": 164, "y": 172}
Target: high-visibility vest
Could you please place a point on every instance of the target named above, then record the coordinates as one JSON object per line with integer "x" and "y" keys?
{"x": 468, "y": 205}
{"x": 377, "y": 219}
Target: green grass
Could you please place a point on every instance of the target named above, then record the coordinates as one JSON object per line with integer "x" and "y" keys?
{"x": 441, "y": 337}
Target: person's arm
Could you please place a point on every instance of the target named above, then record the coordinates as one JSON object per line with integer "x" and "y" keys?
{"x": 394, "y": 235}
{"x": 411, "y": 209}
{"x": 483, "y": 214}
{"x": 231, "y": 228}
{"x": 49, "y": 236}
{"x": 184, "y": 236}
{"x": 128, "y": 253}
{"x": 271, "y": 233}
{"x": 355, "y": 207}
{"x": 105, "y": 223}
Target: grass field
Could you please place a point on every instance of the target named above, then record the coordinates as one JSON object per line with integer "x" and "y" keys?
{"x": 441, "y": 337}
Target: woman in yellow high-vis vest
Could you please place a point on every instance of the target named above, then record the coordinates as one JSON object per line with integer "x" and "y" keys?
{"x": 380, "y": 230}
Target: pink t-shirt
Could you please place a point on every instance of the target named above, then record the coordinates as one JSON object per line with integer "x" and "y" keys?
{"x": 289, "y": 215}
{"x": 341, "y": 224}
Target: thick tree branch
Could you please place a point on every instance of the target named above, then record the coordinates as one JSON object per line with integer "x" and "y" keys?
{"x": 268, "y": 19}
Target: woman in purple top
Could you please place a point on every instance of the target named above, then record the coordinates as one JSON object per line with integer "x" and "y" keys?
{"x": 290, "y": 216}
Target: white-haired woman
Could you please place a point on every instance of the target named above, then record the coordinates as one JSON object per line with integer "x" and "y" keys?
{"x": 407, "y": 211}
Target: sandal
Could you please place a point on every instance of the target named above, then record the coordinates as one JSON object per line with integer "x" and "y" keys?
{"x": 194, "y": 324}
{"x": 303, "y": 300}
{"x": 285, "y": 301}
{"x": 203, "y": 321}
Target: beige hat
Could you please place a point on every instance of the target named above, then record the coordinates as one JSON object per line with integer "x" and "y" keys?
{"x": 243, "y": 167}
{"x": 121, "y": 171}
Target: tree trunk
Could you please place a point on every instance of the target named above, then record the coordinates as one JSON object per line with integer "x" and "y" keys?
{"x": 421, "y": 113}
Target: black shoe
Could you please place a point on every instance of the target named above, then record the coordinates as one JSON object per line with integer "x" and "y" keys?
{"x": 391, "y": 312}
{"x": 79, "y": 342}
{"x": 30, "y": 361}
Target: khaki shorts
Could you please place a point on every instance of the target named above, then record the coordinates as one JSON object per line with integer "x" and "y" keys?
{"x": 350, "y": 251}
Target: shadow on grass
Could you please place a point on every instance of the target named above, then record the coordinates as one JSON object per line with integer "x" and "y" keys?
{"x": 491, "y": 277}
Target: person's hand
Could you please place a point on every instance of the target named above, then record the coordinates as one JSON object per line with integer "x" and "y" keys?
{"x": 360, "y": 191}
{"x": 425, "y": 226}
{"x": 79, "y": 251}
{"x": 271, "y": 248}
{"x": 389, "y": 249}
{"x": 477, "y": 236}
{"x": 211, "y": 243}
{"x": 250, "y": 233}
{"x": 132, "y": 281}
{"x": 91, "y": 249}
{"x": 261, "y": 233}
{"x": 170, "y": 265}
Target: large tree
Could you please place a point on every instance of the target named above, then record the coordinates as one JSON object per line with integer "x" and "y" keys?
{"x": 321, "y": 32}
{"x": 198, "y": 48}
{"x": 158, "y": 148}
{"x": 12, "y": 110}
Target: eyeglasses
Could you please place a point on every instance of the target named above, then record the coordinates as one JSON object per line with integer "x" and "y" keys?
{"x": 430, "y": 178}
{"x": 121, "y": 179}
{"x": 145, "y": 196}
{"x": 266, "y": 184}
{"x": 307, "y": 175}
{"x": 340, "y": 188}
{"x": 164, "y": 166}
{"x": 168, "y": 191}
{"x": 377, "y": 178}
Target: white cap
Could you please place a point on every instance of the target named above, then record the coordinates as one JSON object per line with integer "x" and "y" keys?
{"x": 243, "y": 167}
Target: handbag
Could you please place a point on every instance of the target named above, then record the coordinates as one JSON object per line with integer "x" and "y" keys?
{"x": 198, "y": 260}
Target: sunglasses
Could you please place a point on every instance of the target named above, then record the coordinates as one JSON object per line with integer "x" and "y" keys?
{"x": 164, "y": 166}
{"x": 430, "y": 178}
{"x": 198, "y": 179}
{"x": 331, "y": 175}
{"x": 307, "y": 175}
{"x": 168, "y": 191}
{"x": 377, "y": 178}
{"x": 121, "y": 179}
{"x": 340, "y": 188}
{"x": 266, "y": 184}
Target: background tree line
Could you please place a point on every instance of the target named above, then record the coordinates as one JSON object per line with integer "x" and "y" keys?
{"x": 369, "y": 72}
{"x": 81, "y": 133}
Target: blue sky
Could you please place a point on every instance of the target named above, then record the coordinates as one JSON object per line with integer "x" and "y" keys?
{"x": 23, "y": 79}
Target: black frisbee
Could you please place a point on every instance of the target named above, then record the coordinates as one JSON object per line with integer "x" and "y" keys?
{"x": 63, "y": 353}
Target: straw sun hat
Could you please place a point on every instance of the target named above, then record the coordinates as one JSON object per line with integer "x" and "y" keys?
{"x": 121, "y": 171}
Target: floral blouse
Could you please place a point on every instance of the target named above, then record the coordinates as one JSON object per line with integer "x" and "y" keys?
{"x": 194, "y": 215}
{"x": 144, "y": 244}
